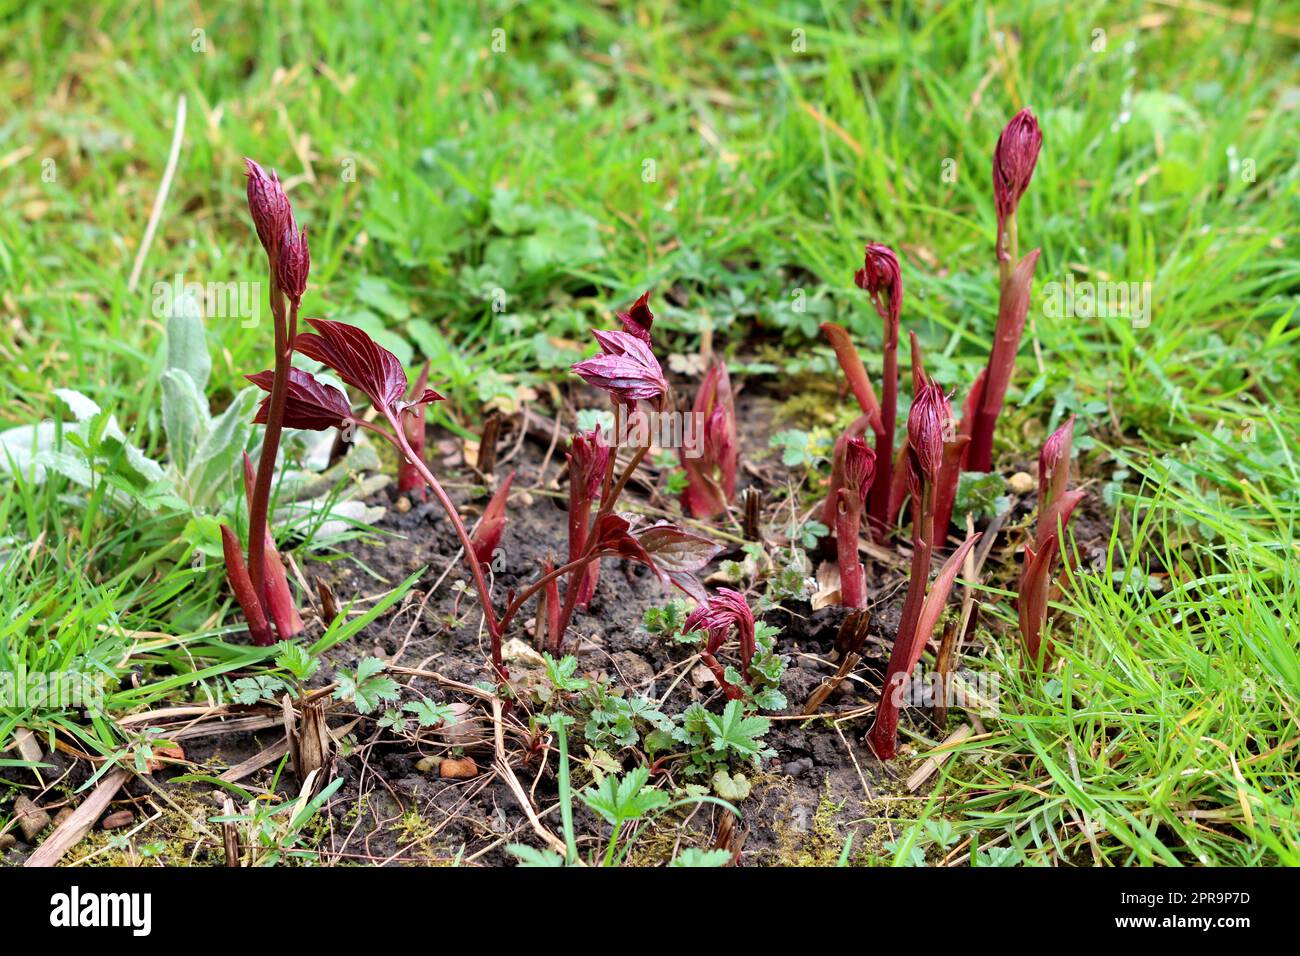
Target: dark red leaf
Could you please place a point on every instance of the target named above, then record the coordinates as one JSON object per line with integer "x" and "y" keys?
{"x": 710, "y": 464}
{"x": 673, "y": 549}
{"x": 614, "y": 537}
{"x": 626, "y": 368}
{"x": 360, "y": 361}
{"x": 309, "y": 404}
{"x": 689, "y": 584}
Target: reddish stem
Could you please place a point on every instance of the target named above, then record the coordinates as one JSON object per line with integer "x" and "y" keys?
{"x": 606, "y": 506}
{"x": 878, "y": 502}
{"x": 579, "y": 521}
{"x": 257, "y": 520}
{"x": 847, "y": 523}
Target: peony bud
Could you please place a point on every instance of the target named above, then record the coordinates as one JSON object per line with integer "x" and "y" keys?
{"x": 1013, "y": 162}
{"x": 588, "y": 457}
{"x": 928, "y": 424}
{"x": 268, "y": 205}
{"x": 294, "y": 261}
{"x": 859, "y": 467}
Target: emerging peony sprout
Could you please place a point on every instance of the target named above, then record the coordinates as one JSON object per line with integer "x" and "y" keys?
{"x": 932, "y": 450}
{"x": 711, "y": 467}
{"x": 859, "y": 471}
{"x": 1013, "y": 166}
{"x": 487, "y": 534}
{"x": 882, "y": 279}
{"x": 839, "y": 459}
{"x": 725, "y": 611}
{"x": 1055, "y": 506}
{"x": 1054, "y": 462}
{"x": 288, "y": 263}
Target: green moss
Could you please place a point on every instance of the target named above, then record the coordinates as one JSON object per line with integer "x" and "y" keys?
{"x": 811, "y": 407}
{"x": 170, "y": 839}
{"x": 820, "y": 843}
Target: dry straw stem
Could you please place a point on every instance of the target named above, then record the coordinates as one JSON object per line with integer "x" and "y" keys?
{"x": 70, "y": 832}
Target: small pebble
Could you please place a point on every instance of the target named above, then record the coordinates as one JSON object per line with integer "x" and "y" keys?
{"x": 117, "y": 820}
{"x": 797, "y": 768}
{"x": 462, "y": 769}
{"x": 1021, "y": 483}
{"x": 403, "y": 504}
{"x": 31, "y": 818}
{"x": 62, "y": 815}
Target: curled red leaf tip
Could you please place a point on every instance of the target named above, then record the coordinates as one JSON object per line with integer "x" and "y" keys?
{"x": 638, "y": 319}
{"x": 882, "y": 279}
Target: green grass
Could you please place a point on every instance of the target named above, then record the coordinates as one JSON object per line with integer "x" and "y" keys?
{"x": 528, "y": 171}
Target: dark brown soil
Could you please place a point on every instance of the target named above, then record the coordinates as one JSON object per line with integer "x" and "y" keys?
{"x": 813, "y": 768}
